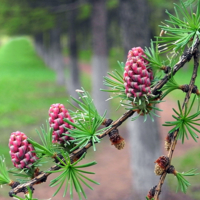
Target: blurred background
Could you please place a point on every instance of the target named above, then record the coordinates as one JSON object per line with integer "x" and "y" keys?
{"x": 49, "y": 48}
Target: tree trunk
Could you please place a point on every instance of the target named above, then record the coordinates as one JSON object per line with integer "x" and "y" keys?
{"x": 46, "y": 54}
{"x": 39, "y": 44}
{"x": 56, "y": 57}
{"x": 74, "y": 78}
{"x": 99, "y": 59}
{"x": 134, "y": 15}
{"x": 144, "y": 137}
{"x": 145, "y": 148}
{"x": 42, "y": 47}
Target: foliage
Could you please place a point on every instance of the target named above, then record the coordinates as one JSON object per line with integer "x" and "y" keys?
{"x": 86, "y": 131}
{"x": 24, "y": 19}
{"x": 184, "y": 123}
{"x": 154, "y": 58}
{"x": 87, "y": 121}
{"x": 143, "y": 105}
{"x": 170, "y": 86}
{"x": 72, "y": 175}
{"x": 4, "y": 177}
{"x": 47, "y": 148}
{"x": 112, "y": 4}
{"x": 185, "y": 162}
{"x": 116, "y": 83}
{"x": 86, "y": 108}
{"x": 189, "y": 2}
{"x": 149, "y": 199}
{"x": 180, "y": 29}
{"x": 182, "y": 182}
{"x": 84, "y": 11}
{"x": 22, "y": 175}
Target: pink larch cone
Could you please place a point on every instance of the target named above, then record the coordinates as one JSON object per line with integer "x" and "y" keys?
{"x": 137, "y": 78}
{"x": 21, "y": 150}
{"x": 57, "y": 113}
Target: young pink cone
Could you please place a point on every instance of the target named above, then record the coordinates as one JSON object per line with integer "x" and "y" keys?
{"x": 137, "y": 78}
{"x": 57, "y": 114}
{"x": 21, "y": 151}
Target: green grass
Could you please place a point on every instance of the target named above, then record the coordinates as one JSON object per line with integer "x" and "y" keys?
{"x": 27, "y": 89}
{"x": 182, "y": 164}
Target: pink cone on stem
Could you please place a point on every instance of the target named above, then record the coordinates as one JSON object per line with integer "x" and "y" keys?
{"x": 57, "y": 114}
{"x": 137, "y": 77}
{"x": 21, "y": 151}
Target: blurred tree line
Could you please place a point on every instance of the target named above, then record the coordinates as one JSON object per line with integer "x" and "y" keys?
{"x": 80, "y": 21}
{"x": 99, "y": 26}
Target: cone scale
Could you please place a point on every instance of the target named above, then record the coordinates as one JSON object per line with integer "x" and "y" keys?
{"x": 137, "y": 78}
{"x": 21, "y": 151}
{"x": 57, "y": 114}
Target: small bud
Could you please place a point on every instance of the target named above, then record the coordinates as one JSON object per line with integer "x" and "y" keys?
{"x": 158, "y": 170}
{"x": 116, "y": 139}
{"x": 195, "y": 90}
{"x": 36, "y": 172}
{"x": 13, "y": 184}
{"x": 198, "y": 93}
{"x": 151, "y": 192}
{"x": 161, "y": 164}
{"x": 184, "y": 88}
{"x": 107, "y": 122}
{"x": 171, "y": 170}
{"x": 166, "y": 69}
{"x": 120, "y": 145}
